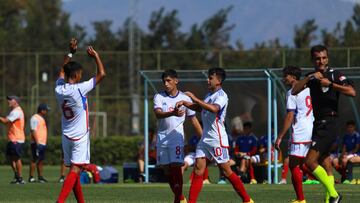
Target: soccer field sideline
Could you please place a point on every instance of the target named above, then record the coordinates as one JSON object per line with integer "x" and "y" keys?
{"x": 157, "y": 192}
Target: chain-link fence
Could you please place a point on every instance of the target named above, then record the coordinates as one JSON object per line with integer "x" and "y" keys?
{"x": 32, "y": 77}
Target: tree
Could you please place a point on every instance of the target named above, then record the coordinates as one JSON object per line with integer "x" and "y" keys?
{"x": 305, "y": 34}
{"x": 47, "y": 27}
{"x": 105, "y": 38}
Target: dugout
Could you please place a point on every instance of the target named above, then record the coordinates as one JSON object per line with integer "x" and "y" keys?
{"x": 259, "y": 92}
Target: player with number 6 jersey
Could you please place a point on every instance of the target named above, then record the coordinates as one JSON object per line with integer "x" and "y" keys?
{"x": 71, "y": 95}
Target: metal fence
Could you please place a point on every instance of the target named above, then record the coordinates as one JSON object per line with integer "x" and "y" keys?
{"x": 32, "y": 75}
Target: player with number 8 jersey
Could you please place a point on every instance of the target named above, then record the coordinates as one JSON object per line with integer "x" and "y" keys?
{"x": 71, "y": 95}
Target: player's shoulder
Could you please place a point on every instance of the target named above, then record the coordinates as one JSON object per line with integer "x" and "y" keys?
{"x": 220, "y": 93}
{"x": 160, "y": 94}
{"x": 183, "y": 95}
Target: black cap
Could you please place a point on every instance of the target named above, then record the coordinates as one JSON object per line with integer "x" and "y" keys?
{"x": 16, "y": 98}
{"x": 43, "y": 107}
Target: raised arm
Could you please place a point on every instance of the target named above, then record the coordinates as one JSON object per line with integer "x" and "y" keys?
{"x": 67, "y": 57}
{"x": 300, "y": 85}
{"x": 347, "y": 90}
{"x": 209, "y": 107}
{"x": 100, "y": 71}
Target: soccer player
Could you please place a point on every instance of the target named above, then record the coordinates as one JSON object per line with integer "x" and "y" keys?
{"x": 300, "y": 117}
{"x": 71, "y": 95}
{"x": 326, "y": 84}
{"x": 170, "y": 134}
{"x": 245, "y": 148}
{"x": 214, "y": 141}
{"x": 350, "y": 151}
{"x": 16, "y": 137}
{"x": 38, "y": 142}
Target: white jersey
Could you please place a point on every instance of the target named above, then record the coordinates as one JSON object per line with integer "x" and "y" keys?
{"x": 171, "y": 129}
{"x": 72, "y": 99}
{"x": 301, "y": 105}
{"x": 214, "y": 133}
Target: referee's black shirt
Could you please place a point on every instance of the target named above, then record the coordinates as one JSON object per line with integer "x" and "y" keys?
{"x": 325, "y": 99}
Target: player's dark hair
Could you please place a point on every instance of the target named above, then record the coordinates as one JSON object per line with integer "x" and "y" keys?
{"x": 293, "y": 71}
{"x": 169, "y": 73}
{"x": 318, "y": 48}
{"x": 71, "y": 69}
{"x": 219, "y": 72}
{"x": 350, "y": 122}
{"x": 247, "y": 125}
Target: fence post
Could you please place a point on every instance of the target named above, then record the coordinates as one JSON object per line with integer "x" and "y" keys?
{"x": 158, "y": 59}
{"x": 348, "y": 57}
{"x": 283, "y": 54}
{"x": 220, "y": 59}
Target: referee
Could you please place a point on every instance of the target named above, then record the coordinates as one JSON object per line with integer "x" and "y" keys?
{"x": 325, "y": 85}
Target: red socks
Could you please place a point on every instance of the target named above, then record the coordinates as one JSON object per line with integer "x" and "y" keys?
{"x": 284, "y": 171}
{"x": 206, "y": 174}
{"x": 239, "y": 187}
{"x": 195, "y": 188}
{"x": 68, "y": 185}
{"x": 78, "y": 191}
{"x": 296, "y": 177}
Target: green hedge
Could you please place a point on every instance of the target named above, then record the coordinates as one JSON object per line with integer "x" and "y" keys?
{"x": 113, "y": 150}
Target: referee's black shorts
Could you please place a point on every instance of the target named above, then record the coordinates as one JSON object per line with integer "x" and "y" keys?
{"x": 325, "y": 132}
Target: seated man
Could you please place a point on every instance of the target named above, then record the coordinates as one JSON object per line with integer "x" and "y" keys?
{"x": 350, "y": 152}
{"x": 246, "y": 146}
{"x": 141, "y": 154}
{"x": 262, "y": 152}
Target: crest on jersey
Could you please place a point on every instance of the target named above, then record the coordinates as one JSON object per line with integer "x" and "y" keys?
{"x": 324, "y": 89}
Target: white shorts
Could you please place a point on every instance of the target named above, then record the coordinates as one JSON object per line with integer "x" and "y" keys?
{"x": 218, "y": 154}
{"x": 167, "y": 155}
{"x": 255, "y": 159}
{"x": 349, "y": 156}
{"x": 299, "y": 150}
{"x": 190, "y": 158}
{"x": 76, "y": 151}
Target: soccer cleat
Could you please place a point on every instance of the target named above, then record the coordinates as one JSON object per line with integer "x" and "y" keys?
{"x": 253, "y": 181}
{"x": 283, "y": 181}
{"x": 20, "y": 181}
{"x": 298, "y": 201}
{"x": 358, "y": 181}
{"x": 335, "y": 199}
{"x": 183, "y": 201}
{"x": 346, "y": 182}
{"x": 14, "y": 181}
{"x": 353, "y": 182}
{"x": 61, "y": 179}
{"x": 206, "y": 182}
{"x": 221, "y": 182}
{"x": 251, "y": 201}
{"x": 32, "y": 179}
{"x": 42, "y": 180}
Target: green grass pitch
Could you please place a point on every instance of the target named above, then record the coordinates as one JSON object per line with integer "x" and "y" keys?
{"x": 157, "y": 192}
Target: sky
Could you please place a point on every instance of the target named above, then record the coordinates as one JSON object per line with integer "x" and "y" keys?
{"x": 254, "y": 20}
